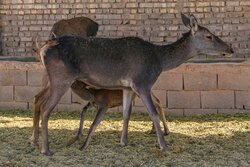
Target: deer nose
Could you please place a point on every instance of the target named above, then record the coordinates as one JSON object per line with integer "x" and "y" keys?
{"x": 231, "y": 50}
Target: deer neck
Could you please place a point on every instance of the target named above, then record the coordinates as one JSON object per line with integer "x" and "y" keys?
{"x": 175, "y": 54}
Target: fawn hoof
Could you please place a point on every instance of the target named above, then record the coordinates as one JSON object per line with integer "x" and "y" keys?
{"x": 34, "y": 143}
{"x": 83, "y": 147}
{"x": 71, "y": 141}
{"x": 151, "y": 132}
{"x": 166, "y": 133}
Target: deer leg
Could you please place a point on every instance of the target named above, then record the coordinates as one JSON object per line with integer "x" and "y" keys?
{"x": 147, "y": 100}
{"x": 38, "y": 100}
{"x": 56, "y": 92}
{"x": 94, "y": 125}
{"x": 161, "y": 113}
{"x": 79, "y": 132}
{"x": 128, "y": 96}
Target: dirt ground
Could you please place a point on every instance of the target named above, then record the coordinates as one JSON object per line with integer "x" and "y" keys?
{"x": 194, "y": 141}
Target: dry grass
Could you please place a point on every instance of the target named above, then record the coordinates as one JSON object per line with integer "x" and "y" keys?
{"x": 194, "y": 141}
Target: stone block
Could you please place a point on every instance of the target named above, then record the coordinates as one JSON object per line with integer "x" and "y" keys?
{"x": 12, "y": 77}
{"x": 66, "y": 98}
{"x": 228, "y": 111}
{"x": 19, "y": 77}
{"x": 217, "y": 99}
{"x": 229, "y": 81}
{"x": 37, "y": 78}
{"x": 26, "y": 93}
{"x": 5, "y": 78}
{"x": 183, "y": 99}
{"x": 242, "y": 99}
{"x": 138, "y": 109}
{"x": 175, "y": 112}
{"x": 160, "y": 94}
{"x": 169, "y": 81}
{"x": 200, "y": 81}
{"x": 6, "y": 93}
{"x": 13, "y": 105}
{"x": 193, "y": 112}
{"x": 69, "y": 107}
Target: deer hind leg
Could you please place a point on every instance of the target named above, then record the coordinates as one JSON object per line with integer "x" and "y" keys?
{"x": 161, "y": 113}
{"x": 79, "y": 132}
{"x": 57, "y": 89}
{"x": 146, "y": 98}
{"x": 38, "y": 100}
{"x": 128, "y": 96}
{"x": 98, "y": 118}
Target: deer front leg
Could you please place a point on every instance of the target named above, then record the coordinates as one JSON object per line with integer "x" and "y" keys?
{"x": 147, "y": 100}
{"x": 79, "y": 132}
{"x": 128, "y": 96}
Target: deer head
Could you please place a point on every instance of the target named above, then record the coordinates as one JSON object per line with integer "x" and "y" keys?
{"x": 203, "y": 40}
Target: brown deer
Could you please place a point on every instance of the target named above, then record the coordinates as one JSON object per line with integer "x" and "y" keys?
{"x": 128, "y": 63}
{"x": 99, "y": 98}
{"x": 78, "y": 26}
{"x": 102, "y": 99}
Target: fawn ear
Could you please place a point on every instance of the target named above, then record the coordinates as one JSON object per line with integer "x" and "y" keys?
{"x": 53, "y": 35}
{"x": 38, "y": 44}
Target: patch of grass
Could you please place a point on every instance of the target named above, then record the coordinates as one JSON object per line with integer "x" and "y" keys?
{"x": 215, "y": 140}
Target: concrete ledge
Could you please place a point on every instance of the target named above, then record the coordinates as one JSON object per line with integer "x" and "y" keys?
{"x": 191, "y": 89}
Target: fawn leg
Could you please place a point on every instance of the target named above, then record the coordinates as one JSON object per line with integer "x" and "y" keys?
{"x": 161, "y": 113}
{"x": 128, "y": 96}
{"x": 79, "y": 132}
{"x": 94, "y": 125}
{"x": 38, "y": 100}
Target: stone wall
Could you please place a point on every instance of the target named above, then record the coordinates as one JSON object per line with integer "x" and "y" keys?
{"x": 154, "y": 20}
{"x": 191, "y": 89}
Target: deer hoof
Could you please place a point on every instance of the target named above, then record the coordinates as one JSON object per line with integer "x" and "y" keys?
{"x": 163, "y": 148}
{"x": 47, "y": 153}
{"x": 124, "y": 144}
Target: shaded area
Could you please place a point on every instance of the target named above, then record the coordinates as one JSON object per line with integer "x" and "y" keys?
{"x": 135, "y": 116}
{"x": 217, "y": 60}
{"x": 20, "y": 59}
{"x": 194, "y": 60}
{"x": 1, "y": 32}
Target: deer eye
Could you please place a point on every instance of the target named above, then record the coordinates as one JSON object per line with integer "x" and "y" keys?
{"x": 209, "y": 37}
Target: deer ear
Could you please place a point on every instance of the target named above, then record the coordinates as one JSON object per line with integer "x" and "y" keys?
{"x": 193, "y": 24}
{"x": 185, "y": 20}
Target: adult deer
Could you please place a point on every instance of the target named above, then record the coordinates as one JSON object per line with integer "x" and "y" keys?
{"x": 129, "y": 63}
{"x": 101, "y": 99}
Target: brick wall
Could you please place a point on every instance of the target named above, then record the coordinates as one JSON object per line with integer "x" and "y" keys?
{"x": 190, "y": 89}
{"x": 154, "y": 20}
